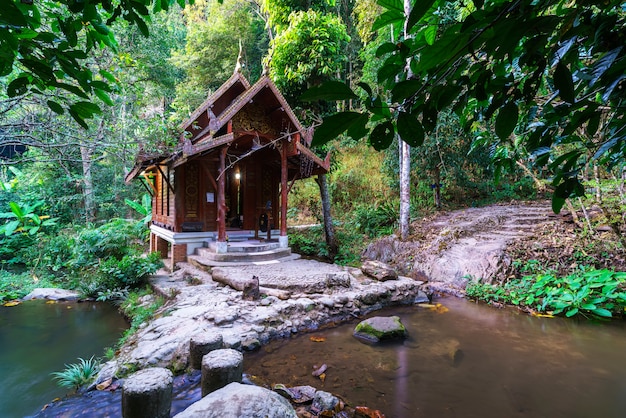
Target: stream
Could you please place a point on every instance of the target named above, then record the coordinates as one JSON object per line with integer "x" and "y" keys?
{"x": 38, "y": 338}
{"x": 470, "y": 361}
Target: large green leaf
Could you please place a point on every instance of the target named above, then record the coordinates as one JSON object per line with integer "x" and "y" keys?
{"x": 405, "y": 89}
{"x": 55, "y": 107}
{"x": 333, "y": 126}
{"x": 11, "y": 15}
{"x": 10, "y": 227}
{"x": 391, "y": 4}
{"x": 16, "y": 209}
{"x": 359, "y": 129}
{"x": 382, "y": 136}
{"x": 507, "y": 120}
{"x": 563, "y": 83}
{"x": 390, "y": 17}
{"x": 418, "y": 11}
{"x": 331, "y": 90}
{"x": 410, "y": 129}
{"x": 602, "y": 312}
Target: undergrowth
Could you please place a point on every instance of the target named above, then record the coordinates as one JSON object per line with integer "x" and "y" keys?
{"x": 588, "y": 292}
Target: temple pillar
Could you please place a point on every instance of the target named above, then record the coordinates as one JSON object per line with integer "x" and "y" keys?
{"x": 158, "y": 244}
{"x": 179, "y": 254}
{"x": 283, "y": 196}
{"x": 221, "y": 203}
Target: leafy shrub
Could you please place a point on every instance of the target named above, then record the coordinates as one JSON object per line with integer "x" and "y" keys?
{"x": 310, "y": 242}
{"x": 589, "y": 292}
{"x": 77, "y": 374}
{"x": 375, "y": 221}
{"x": 18, "y": 285}
{"x": 113, "y": 277}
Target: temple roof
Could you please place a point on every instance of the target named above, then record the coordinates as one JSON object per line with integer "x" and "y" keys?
{"x": 208, "y": 126}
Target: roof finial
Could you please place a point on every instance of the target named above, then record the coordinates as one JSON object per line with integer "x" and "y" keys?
{"x": 239, "y": 66}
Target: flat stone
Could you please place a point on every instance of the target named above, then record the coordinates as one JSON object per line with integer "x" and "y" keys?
{"x": 240, "y": 401}
{"x": 51, "y": 293}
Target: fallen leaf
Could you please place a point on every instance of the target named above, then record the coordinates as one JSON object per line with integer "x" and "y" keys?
{"x": 51, "y": 302}
{"x": 105, "y": 384}
{"x": 12, "y": 303}
{"x": 317, "y": 339}
{"x": 539, "y": 315}
{"x": 365, "y": 412}
{"x": 322, "y": 377}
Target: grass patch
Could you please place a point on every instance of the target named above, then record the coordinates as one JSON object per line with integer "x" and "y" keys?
{"x": 78, "y": 374}
{"x": 17, "y": 285}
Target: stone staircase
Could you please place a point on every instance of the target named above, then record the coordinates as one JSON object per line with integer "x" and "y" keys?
{"x": 242, "y": 251}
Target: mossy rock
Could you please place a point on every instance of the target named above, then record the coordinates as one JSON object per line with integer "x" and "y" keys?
{"x": 381, "y": 328}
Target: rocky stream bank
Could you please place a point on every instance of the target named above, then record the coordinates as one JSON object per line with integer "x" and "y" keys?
{"x": 299, "y": 296}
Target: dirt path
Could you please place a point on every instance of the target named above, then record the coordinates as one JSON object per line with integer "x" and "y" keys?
{"x": 449, "y": 249}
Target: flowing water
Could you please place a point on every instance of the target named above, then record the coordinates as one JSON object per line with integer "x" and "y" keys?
{"x": 471, "y": 361}
{"x": 38, "y": 338}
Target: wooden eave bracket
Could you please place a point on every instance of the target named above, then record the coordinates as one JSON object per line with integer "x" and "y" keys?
{"x": 145, "y": 182}
{"x": 167, "y": 180}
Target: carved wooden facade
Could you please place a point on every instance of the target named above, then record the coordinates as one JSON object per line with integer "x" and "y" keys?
{"x": 237, "y": 157}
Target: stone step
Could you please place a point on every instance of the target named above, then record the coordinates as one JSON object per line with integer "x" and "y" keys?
{"x": 208, "y": 264}
{"x": 247, "y": 246}
{"x": 238, "y": 256}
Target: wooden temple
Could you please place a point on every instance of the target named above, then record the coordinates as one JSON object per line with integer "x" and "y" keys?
{"x": 229, "y": 176}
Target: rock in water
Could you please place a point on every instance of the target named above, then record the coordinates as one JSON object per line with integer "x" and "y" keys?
{"x": 240, "y": 401}
{"x": 379, "y": 271}
{"x": 381, "y": 328}
{"x": 52, "y": 294}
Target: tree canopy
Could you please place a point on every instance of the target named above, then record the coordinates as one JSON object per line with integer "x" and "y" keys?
{"x": 546, "y": 76}
{"x": 46, "y": 46}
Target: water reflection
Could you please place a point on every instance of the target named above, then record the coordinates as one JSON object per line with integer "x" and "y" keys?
{"x": 38, "y": 338}
{"x": 472, "y": 361}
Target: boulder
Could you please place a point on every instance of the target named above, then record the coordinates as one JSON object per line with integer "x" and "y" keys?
{"x": 52, "y": 294}
{"x": 379, "y": 271}
{"x": 380, "y": 328}
{"x": 240, "y": 401}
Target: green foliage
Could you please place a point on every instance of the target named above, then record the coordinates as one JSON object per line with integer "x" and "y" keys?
{"x": 24, "y": 219}
{"x": 144, "y": 209}
{"x": 49, "y": 47}
{"x": 544, "y": 90}
{"x": 15, "y": 285}
{"x": 139, "y": 306}
{"x": 210, "y": 53}
{"x": 588, "y": 292}
{"x": 375, "y": 221}
{"x": 310, "y": 50}
{"x": 78, "y": 374}
{"x": 310, "y": 242}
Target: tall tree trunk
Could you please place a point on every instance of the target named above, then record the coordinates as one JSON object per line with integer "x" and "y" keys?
{"x": 405, "y": 187}
{"x": 86, "y": 153}
{"x": 405, "y": 155}
{"x": 329, "y": 229}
